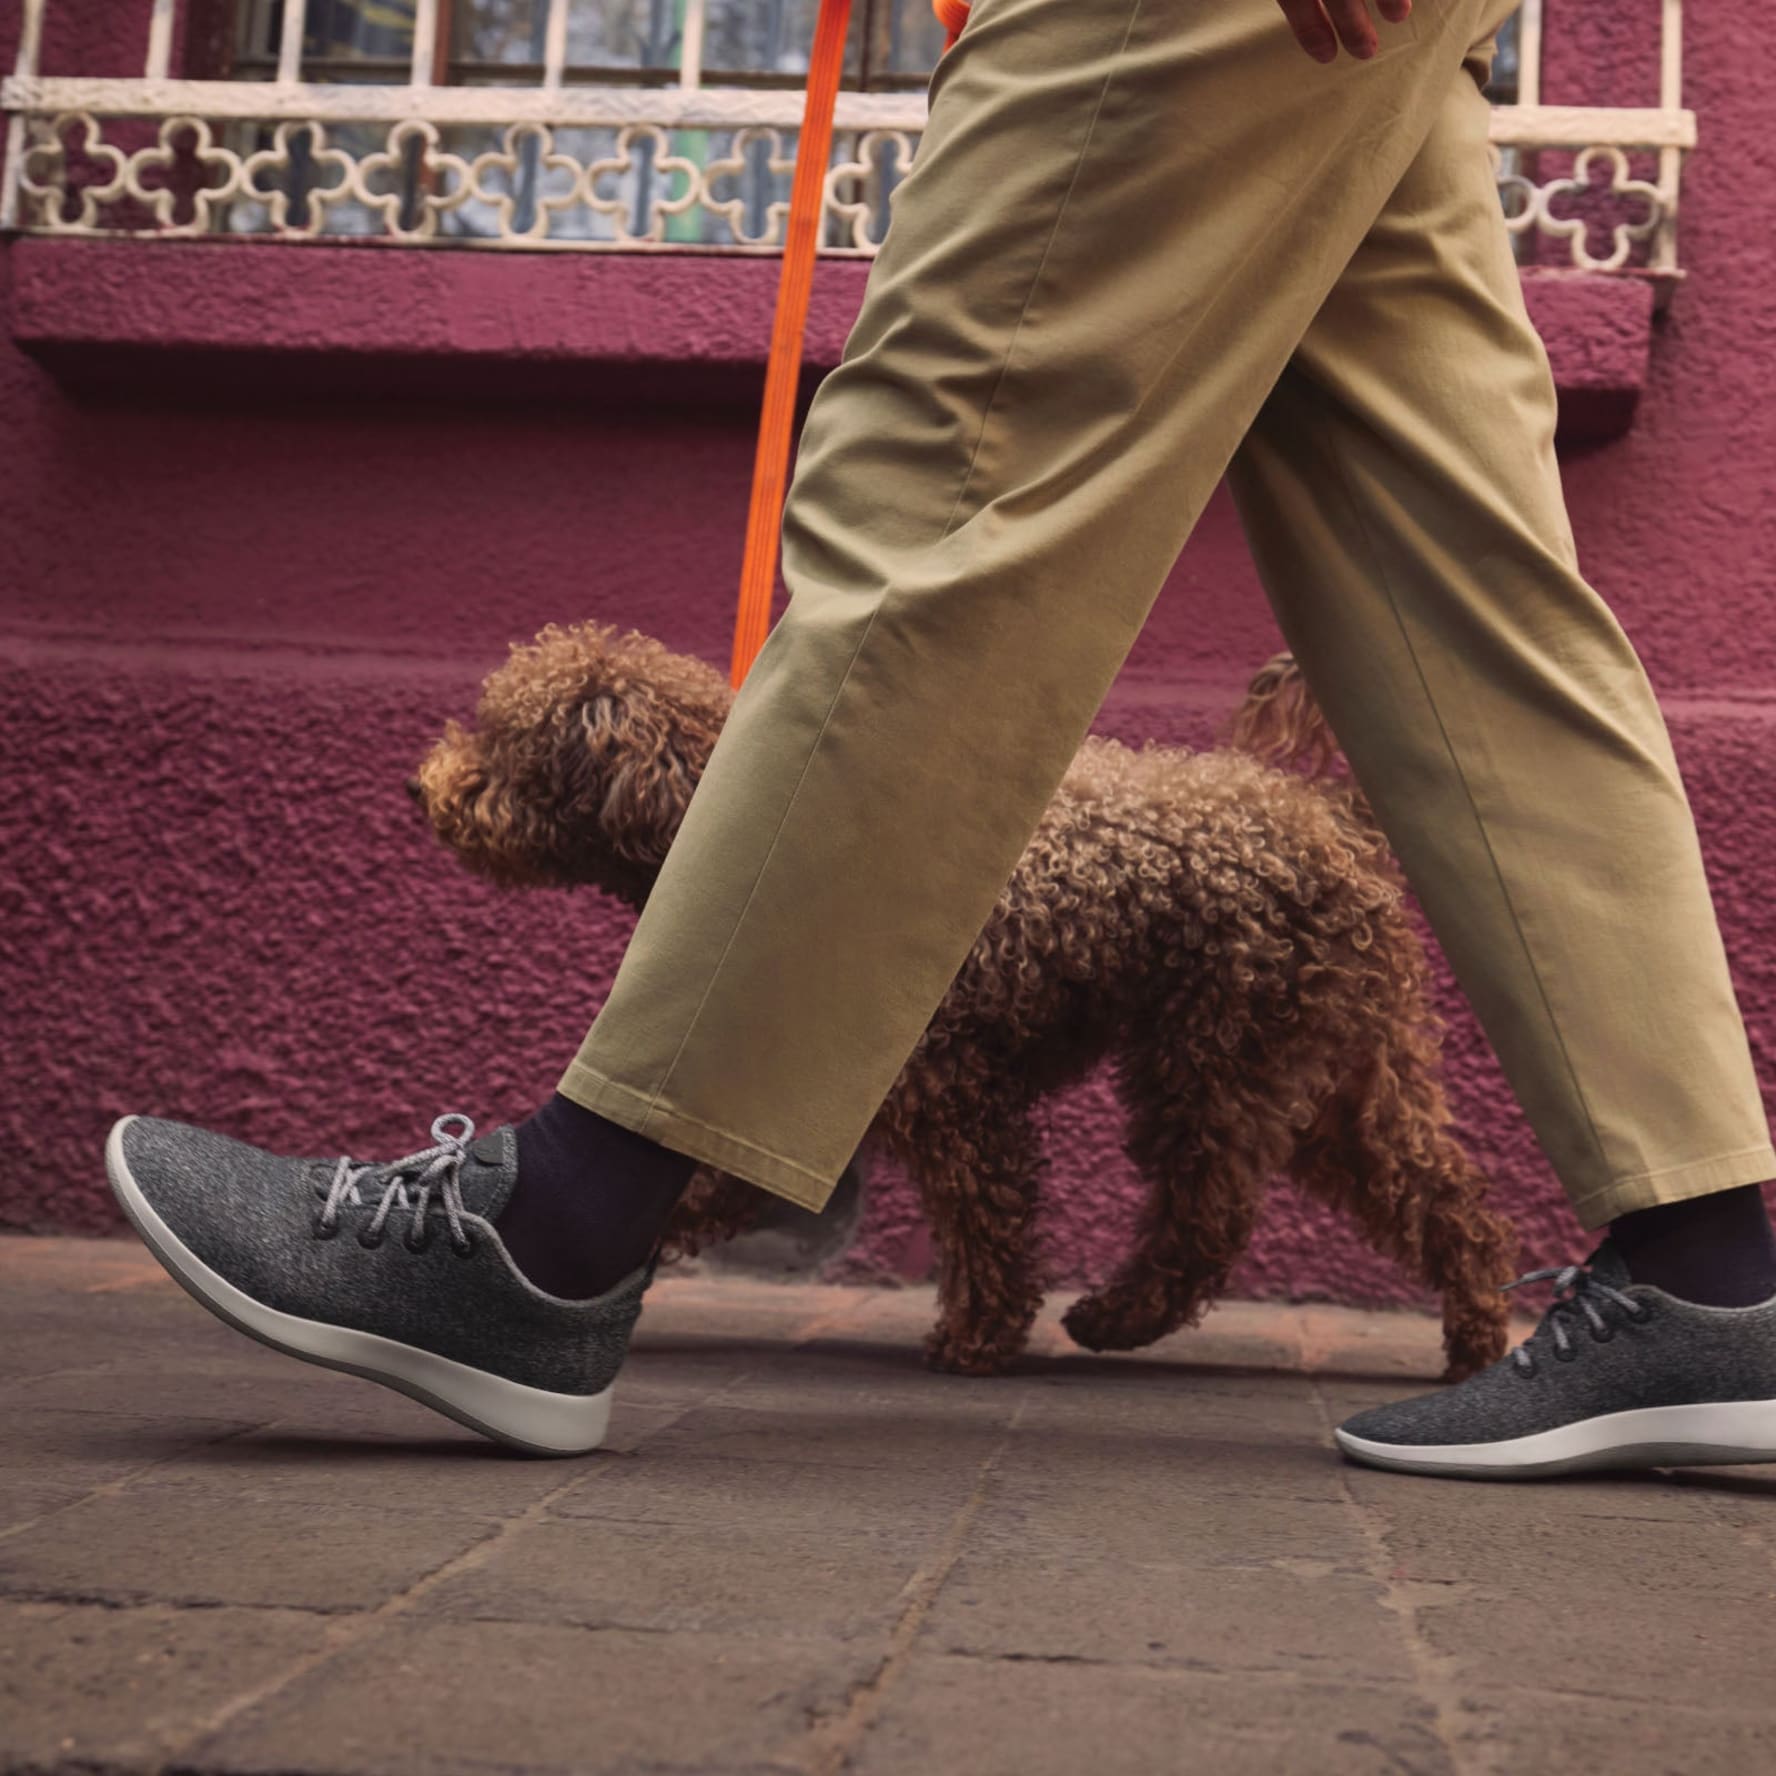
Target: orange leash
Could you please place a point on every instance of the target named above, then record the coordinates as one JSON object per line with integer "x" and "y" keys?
{"x": 952, "y": 15}
{"x": 807, "y": 195}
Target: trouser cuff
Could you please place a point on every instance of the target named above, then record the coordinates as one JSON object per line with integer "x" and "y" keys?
{"x": 656, "y": 1120}
{"x": 1700, "y": 1177}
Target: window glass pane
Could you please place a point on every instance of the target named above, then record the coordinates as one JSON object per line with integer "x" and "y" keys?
{"x": 354, "y": 29}
{"x": 759, "y": 36}
{"x": 332, "y": 31}
{"x": 1502, "y": 88}
{"x": 904, "y": 39}
{"x": 600, "y": 33}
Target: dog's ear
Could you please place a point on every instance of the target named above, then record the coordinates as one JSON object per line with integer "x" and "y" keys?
{"x": 644, "y": 758}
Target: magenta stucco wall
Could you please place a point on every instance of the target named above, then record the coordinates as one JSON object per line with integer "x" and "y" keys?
{"x": 252, "y": 555}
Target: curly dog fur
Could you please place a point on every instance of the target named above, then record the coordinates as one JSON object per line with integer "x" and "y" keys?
{"x": 1228, "y": 932}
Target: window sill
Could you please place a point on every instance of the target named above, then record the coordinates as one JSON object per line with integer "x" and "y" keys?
{"x": 233, "y": 321}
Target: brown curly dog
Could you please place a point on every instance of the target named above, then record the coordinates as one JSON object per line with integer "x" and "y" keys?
{"x": 1229, "y": 933}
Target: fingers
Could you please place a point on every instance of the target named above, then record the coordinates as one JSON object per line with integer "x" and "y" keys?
{"x": 1320, "y": 26}
{"x": 1313, "y": 30}
{"x": 1355, "y": 28}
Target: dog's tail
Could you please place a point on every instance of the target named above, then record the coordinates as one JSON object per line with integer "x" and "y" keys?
{"x": 1280, "y": 723}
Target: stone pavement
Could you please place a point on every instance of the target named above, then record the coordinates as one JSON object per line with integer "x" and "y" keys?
{"x": 803, "y": 1553}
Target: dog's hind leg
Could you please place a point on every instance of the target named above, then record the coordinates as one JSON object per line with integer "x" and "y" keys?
{"x": 1207, "y": 1145}
{"x": 1382, "y": 1150}
{"x": 979, "y": 1176}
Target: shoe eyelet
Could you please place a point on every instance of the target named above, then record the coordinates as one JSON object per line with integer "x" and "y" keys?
{"x": 1642, "y": 1313}
{"x": 325, "y": 1230}
{"x": 1602, "y": 1337}
{"x": 465, "y": 1250}
{"x": 422, "y": 1244}
{"x": 370, "y": 1241}
{"x": 1566, "y": 1356}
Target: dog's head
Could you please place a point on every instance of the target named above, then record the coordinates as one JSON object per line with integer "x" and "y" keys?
{"x": 585, "y": 749}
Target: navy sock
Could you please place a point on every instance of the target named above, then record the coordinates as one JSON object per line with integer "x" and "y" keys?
{"x": 591, "y": 1202}
{"x": 1716, "y": 1250}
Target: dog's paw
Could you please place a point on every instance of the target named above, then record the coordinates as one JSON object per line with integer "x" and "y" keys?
{"x": 955, "y": 1354}
{"x": 1106, "y": 1322}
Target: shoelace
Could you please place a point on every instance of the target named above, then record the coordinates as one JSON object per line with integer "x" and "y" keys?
{"x": 1576, "y": 1290}
{"x": 438, "y": 1168}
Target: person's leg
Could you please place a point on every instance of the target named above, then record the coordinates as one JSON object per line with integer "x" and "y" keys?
{"x": 1122, "y": 217}
{"x": 1403, "y": 501}
{"x": 1402, "y": 497}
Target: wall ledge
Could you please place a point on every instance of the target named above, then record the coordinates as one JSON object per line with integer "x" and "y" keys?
{"x": 244, "y": 321}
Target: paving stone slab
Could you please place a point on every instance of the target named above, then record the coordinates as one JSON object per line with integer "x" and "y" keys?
{"x": 267, "y": 1470}
{"x": 1718, "y": 1649}
{"x": 1562, "y": 1733}
{"x": 795, "y": 1499}
{"x": 825, "y": 1433}
{"x": 193, "y": 1545}
{"x": 732, "y": 1579}
{"x": 242, "y": 1381}
{"x": 1305, "y": 1619}
{"x": 1510, "y": 1537}
{"x": 51, "y": 1334}
{"x": 84, "y": 1685}
{"x": 84, "y": 1449}
{"x": 1000, "y": 1718}
{"x": 1288, "y": 1462}
{"x": 1053, "y": 1513}
{"x": 436, "y": 1698}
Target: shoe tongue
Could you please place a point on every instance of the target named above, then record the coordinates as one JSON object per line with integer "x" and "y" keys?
{"x": 1608, "y": 1265}
{"x": 489, "y": 1171}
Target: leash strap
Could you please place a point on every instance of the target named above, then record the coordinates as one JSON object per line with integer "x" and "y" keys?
{"x": 807, "y": 202}
{"x": 952, "y": 15}
{"x": 807, "y": 195}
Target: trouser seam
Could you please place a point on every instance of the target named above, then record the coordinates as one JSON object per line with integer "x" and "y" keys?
{"x": 850, "y": 665}
{"x": 1017, "y": 331}
{"x": 1354, "y": 505}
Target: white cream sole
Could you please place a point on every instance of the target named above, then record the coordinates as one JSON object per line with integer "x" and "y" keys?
{"x": 527, "y": 1418}
{"x": 1703, "y": 1435}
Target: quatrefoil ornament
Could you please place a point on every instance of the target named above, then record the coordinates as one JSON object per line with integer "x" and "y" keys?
{"x": 510, "y": 161}
{"x": 624, "y": 164}
{"x": 736, "y": 165}
{"x": 858, "y": 214}
{"x": 424, "y": 190}
{"x": 162, "y": 199}
{"x": 44, "y": 174}
{"x": 283, "y": 197}
{"x": 1577, "y": 229}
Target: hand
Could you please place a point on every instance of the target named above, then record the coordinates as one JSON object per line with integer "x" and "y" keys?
{"x": 1321, "y": 25}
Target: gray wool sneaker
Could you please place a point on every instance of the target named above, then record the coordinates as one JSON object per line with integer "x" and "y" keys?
{"x": 391, "y": 1271}
{"x": 1618, "y": 1375}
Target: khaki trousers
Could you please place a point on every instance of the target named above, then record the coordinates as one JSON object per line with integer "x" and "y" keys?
{"x": 1146, "y": 242}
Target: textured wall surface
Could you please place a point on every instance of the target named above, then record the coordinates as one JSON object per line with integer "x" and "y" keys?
{"x": 234, "y": 606}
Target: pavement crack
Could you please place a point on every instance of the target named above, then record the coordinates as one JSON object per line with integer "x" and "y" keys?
{"x": 1434, "y": 1674}
{"x": 121, "y": 1482}
{"x": 830, "y": 1742}
{"x": 346, "y": 1632}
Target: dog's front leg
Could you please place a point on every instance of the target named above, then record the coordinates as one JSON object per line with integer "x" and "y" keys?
{"x": 980, "y": 1182}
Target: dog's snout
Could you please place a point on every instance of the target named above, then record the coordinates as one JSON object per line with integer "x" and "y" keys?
{"x": 416, "y": 789}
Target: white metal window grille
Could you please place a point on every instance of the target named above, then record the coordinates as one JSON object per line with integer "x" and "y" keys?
{"x": 644, "y": 125}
